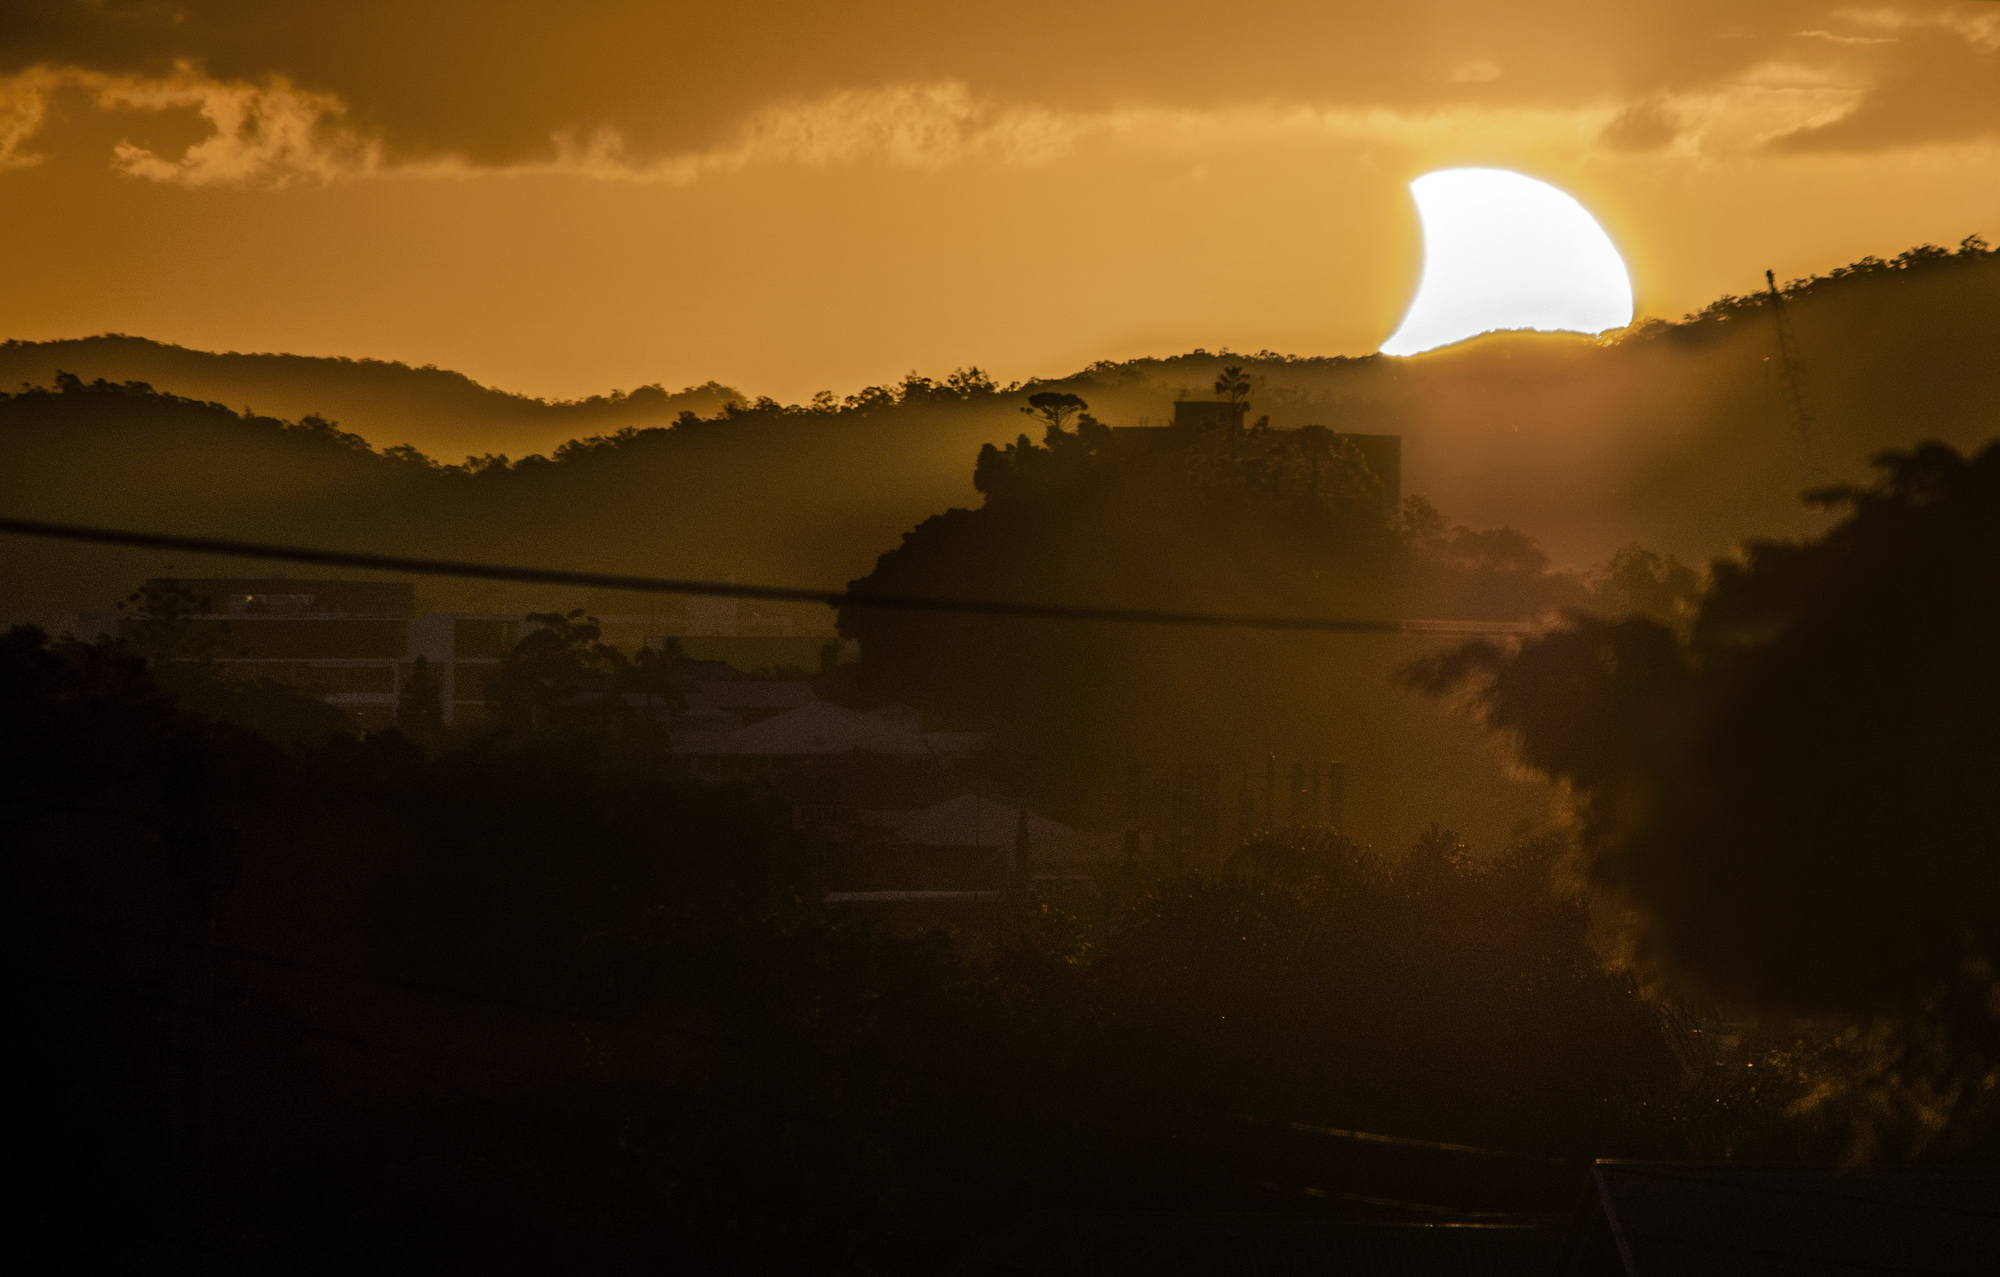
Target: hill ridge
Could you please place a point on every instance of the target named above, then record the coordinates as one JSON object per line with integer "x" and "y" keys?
{"x": 443, "y": 413}
{"x": 439, "y": 411}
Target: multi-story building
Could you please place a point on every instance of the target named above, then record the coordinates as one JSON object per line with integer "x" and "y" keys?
{"x": 351, "y": 642}
{"x": 718, "y": 629}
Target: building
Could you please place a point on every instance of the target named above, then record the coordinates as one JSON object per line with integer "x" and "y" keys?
{"x": 747, "y": 727}
{"x": 713, "y": 629}
{"x": 351, "y": 642}
{"x": 1193, "y": 417}
{"x": 1199, "y": 416}
{"x": 718, "y": 702}
{"x": 972, "y": 840}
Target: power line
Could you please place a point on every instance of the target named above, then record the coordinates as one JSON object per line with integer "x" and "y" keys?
{"x": 1439, "y": 1146}
{"x": 735, "y": 590}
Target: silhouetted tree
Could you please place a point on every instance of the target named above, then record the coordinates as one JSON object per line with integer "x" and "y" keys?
{"x": 971, "y": 381}
{"x": 674, "y": 1053}
{"x": 561, "y": 679}
{"x": 1795, "y": 805}
{"x": 1054, "y": 409}
{"x": 1638, "y": 581}
{"x": 1233, "y": 384}
{"x": 554, "y": 673}
{"x": 1024, "y": 470}
{"x": 1312, "y": 957}
{"x": 165, "y": 623}
{"x": 1296, "y": 525}
{"x": 420, "y": 702}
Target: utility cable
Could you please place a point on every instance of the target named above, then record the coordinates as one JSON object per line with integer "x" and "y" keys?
{"x": 1371, "y": 1137}
{"x": 735, "y": 590}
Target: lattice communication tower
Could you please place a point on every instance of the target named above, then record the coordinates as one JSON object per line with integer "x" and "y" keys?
{"x": 1791, "y": 369}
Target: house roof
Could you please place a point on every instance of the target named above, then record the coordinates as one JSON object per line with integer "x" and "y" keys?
{"x": 709, "y": 695}
{"x": 821, "y": 727}
{"x": 972, "y": 821}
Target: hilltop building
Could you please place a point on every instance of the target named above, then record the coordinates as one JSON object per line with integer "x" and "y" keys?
{"x": 1197, "y": 416}
{"x": 1193, "y": 417}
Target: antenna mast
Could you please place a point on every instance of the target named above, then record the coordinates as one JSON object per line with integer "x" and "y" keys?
{"x": 1792, "y": 369}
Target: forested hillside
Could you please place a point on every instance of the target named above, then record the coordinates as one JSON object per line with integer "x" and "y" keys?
{"x": 808, "y": 496}
{"x": 441, "y": 413}
{"x": 1675, "y": 435}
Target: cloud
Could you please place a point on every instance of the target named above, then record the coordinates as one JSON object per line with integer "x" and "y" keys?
{"x": 1477, "y": 71}
{"x": 1832, "y": 38}
{"x": 24, "y": 105}
{"x": 917, "y": 126}
{"x": 1642, "y": 126}
{"x": 1937, "y": 82}
{"x": 1774, "y": 100}
{"x": 275, "y": 134}
{"x": 262, "y": 135}
{"x": 271, "y": 134}
{"x": 494, "y": 83}
{"x": 321, "y": 91}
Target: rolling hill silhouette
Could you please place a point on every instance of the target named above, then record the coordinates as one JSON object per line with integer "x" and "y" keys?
{"x": 1674, "y": 435}
{"x": 440, "y": 413}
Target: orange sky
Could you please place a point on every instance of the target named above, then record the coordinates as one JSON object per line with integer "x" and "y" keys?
{"x": 794, "y": 196}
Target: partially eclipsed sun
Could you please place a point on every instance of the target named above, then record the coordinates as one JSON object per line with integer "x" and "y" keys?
{"x": 1504, "y": 251}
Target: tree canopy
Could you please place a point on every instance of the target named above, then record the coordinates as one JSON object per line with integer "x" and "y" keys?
{"x": 1262, "y": 521}
{"x": 1792, "y": 797}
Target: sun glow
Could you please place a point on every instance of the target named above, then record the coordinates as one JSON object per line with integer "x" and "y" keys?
{"x": 1503, "y": 251}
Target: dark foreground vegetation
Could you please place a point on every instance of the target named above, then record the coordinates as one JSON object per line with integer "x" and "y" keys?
{"x": 1243, "y": 519}
{"x": 530, "y": 1000}
{"x": 1789, "y": 800}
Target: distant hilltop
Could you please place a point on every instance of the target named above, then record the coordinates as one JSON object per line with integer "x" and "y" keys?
{"x": 442, "y": 414}
{"x": 1682, "y": 436}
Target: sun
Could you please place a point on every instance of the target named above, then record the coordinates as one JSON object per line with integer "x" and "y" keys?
{"x": 1503, "y": 251}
